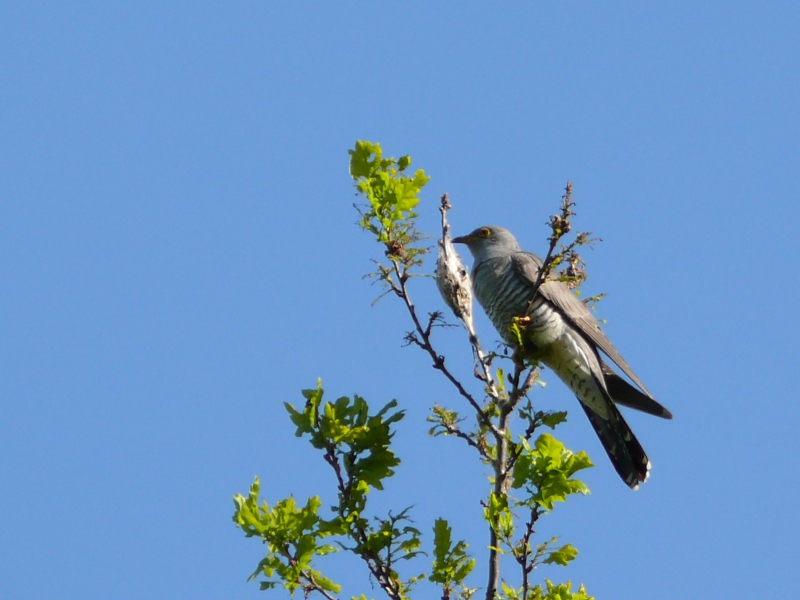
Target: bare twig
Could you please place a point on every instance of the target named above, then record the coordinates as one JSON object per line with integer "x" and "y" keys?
{"x": 453, "y": 430}
{"x": 560, "y": 225}
{"x": 524, "y": 558}
{"x": 425, "y": 343}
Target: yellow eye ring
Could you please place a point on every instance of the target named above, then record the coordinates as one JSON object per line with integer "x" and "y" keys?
{"x": 484, "y": 233}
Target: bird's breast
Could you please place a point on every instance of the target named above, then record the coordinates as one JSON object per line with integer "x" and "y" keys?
{"x": 573, "y": 360}
{"x": 504, "y": 295}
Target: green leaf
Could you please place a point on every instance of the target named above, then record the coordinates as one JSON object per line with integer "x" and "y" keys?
{"x": 562, "y": 556}
{"x": 553, "y": 419}
{"x": 546, "y": 471}
{"x": 510, "y": 592}
{"x": 364, "y": 158}
{"x": 331, "y": 427}
{"x": 563, "y": 591}
{"x": 498, "y": 515}
{"x": 501, "y": 380}
{"x": 451, "y": 563}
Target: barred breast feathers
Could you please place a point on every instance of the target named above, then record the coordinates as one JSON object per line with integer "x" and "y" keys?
{"x": 504, "y": 295}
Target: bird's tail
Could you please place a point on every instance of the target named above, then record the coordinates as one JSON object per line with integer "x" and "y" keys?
{"x": 624, "y": 450}
{"x": 624, "y": 393}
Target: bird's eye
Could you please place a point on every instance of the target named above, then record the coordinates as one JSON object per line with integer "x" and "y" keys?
{"x": 484, "y": 233}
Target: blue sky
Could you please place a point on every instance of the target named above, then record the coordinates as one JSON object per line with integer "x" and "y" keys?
{"x": 178, "y": 257}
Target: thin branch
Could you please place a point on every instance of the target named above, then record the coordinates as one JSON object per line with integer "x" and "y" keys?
{"x": 520, "y": 393}
{"x": 379, "y": 571}
{"x": 559, "y": 225}
{"x": 524, "y": 559}
{"x": 453, "y": 430}
{"x": 438, "y": 359}
{"x": 313, "y": 586}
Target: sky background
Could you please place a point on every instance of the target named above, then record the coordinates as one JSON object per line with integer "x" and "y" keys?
{"x": 179, "y": 256}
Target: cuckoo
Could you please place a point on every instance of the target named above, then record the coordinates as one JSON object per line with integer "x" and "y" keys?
{"x": 558, "y": 330}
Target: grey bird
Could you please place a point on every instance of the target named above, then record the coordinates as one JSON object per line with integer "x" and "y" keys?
{"x": 561, "y": 332}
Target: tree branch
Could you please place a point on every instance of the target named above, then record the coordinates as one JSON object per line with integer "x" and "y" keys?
{"x": 313, "y": 586}
{"x": 438, "y": 360}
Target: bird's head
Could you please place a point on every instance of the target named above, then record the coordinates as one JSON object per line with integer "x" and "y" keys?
{"x": 489, "y": 241}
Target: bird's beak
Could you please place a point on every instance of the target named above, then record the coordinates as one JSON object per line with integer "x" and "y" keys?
{"x": 464, "y": 239}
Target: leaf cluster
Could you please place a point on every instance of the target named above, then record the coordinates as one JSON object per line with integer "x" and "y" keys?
{"x": 451, "y": 563}
{"x": 551, "y": 591}
{"x": 357, "y": 446}
{"x": 392, "y": 197}
{"x": 546, "y": 468}
{"x": 292, "y": 535}
{"x": 352, "y": 438}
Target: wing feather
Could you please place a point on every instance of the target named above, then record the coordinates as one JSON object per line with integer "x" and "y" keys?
{"x": 557, "y": 293}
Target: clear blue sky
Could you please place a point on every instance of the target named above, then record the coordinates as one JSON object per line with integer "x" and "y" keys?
{"x": 178, "y": 257}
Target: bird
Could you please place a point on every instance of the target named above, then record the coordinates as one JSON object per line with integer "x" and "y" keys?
{"x": 558, "y": 330}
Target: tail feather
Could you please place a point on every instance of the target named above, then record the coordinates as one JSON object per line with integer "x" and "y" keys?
{"x": 624, "y": 393}
{"x": 624, "y": 450}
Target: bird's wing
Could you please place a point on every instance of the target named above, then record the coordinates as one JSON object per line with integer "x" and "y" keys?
{"x": 624, "y": 393}
{"x": 527, "y": 265}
